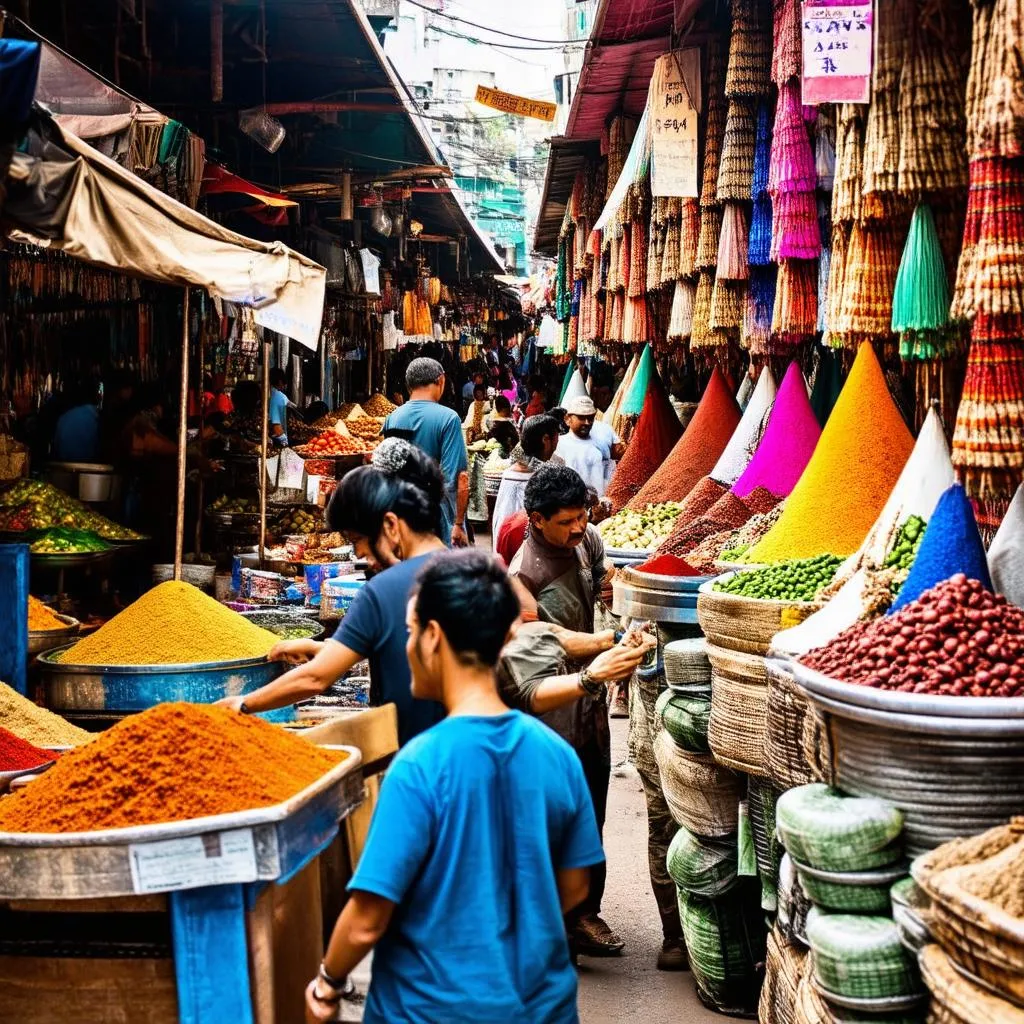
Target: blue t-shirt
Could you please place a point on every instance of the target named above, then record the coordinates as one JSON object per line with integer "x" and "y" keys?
{"x": 436, "y": 430}
{"x": 277, "y": 412}
{"x": 475, "y": 818}
{"x": 374, "y": 626}
{"x": 77, "y": 436}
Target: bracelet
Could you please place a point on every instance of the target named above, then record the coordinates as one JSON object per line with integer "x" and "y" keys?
{"x": 243, "y": 709}
{"x": 340, "y": 988}
{"x": 589, "y": 684}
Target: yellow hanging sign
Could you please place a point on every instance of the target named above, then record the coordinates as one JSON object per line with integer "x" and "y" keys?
{"x": 520, "y": 106}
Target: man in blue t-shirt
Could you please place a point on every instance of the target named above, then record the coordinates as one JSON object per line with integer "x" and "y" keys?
{"x": 277, "y": 409}
{"x": 436, "y": 430}
{"x": 482, "y": 839}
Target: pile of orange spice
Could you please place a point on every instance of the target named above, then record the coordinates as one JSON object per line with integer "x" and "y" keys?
{"x": 170, "y": 763}
{"x": 41, "y": 617}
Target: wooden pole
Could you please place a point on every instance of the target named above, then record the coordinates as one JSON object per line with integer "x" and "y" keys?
{"x": 179, "y": 526}
{"x": 197, "y": 546}
{"x": 263, "y": 450}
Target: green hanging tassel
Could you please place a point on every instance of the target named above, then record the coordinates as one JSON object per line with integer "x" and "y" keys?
{"x": 633, "y": 403}
{"x": 920, "y": 303}
{"x": 570, "y": 369}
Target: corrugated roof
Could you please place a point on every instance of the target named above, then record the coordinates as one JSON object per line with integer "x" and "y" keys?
{"x": 564, "y": 161}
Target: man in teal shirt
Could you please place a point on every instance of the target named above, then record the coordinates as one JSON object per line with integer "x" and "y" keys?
{"x": 436, "y": 430}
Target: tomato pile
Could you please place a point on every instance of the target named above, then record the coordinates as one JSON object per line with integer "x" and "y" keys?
{"x": 330, "y": 443}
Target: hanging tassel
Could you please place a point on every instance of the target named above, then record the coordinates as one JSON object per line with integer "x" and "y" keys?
{"x": 737, "y": 161}
{"x": 760, "y": 304}
{"x": 689, "y": 237}
{"x": 710, "y": 230}
{"x": 750, "y": 42}
{"x": 796, "y": 233}
{"x": 732, "y": 245}
{"x": 795, "y": 315}
{"x": 681, "y": 319}
{"x": 727, "y": 306}
{"x": 759, "y": 253}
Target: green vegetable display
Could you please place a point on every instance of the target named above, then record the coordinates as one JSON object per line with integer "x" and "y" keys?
{"x": 640, "y": 529}
{"x": 798, "y": 580}
{"x": 33, "y": 504}
{"x": 908, "y": 540}
{"x": 734, "y": 554}
{"x": 62, "y": 540}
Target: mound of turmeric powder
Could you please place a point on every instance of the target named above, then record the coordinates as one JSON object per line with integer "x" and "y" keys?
{"x": 41, "y": 617}
{"x": 172, "y": 624}
{"x": 170, "y": 763}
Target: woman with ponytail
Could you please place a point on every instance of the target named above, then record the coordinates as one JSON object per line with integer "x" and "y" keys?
{"x": 390, "y": 511}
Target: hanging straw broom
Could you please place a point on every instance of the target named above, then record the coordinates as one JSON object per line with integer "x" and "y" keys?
{"x": 760, "y": 304}
{"x": 732, "y": 244}
{"x": 707, "y": 242}
{"x": 848, "y": 184}
{"x": 795, "y": 316}
{"x": 796, "y": 233}
{"x": 750, "y": 44}
{"x": 727, "y": 306}
{"x": 681, "y": 318}
{"x": 737, "y": 161}
{"x": 787, "y": 54}
{"x": 791, "y": 168}
{"x": 689, "y": 237}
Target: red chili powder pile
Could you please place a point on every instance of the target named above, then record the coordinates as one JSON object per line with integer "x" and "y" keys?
{"x": 656, "y": 433}
{"x": 788, "y": 442}
{"x": 698, "y": 449}
{"x": 668, "y": 565}
{"x": 700, "y": 499}
{"x": 855, "y": 466}
{"x": 16, "y": 753}
{"x": 728, "y": 513}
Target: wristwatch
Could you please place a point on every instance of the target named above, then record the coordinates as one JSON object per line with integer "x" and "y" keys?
{"x": 589, "y": 684}
{"x": 243, "y": 709}
{"x": 339, "y": 988}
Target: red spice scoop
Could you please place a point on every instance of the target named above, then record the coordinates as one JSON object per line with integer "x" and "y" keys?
{"x": 668, "y": 565}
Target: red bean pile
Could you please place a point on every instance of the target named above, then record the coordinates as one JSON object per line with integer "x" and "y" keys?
{"x": 956, "y": 639}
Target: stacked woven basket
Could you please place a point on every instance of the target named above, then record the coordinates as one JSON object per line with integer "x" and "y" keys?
{"x": 739, "y": 631}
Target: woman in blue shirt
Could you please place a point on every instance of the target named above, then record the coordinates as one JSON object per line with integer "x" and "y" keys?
{"x": 390, "y": 513}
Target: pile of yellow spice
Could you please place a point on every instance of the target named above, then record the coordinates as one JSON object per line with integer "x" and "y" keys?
{"x": 172, "y": 624}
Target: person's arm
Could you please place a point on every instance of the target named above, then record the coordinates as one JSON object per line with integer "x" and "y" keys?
{"x": 618, "y": 450}
{"x": 331, "y": 662}
{"x": 573, "y": 887}
{"x": 459, "y": 538}
{"x": 583, "y": 646}
{"x": 608, "y": 667}
{"x": 454, "y": 469}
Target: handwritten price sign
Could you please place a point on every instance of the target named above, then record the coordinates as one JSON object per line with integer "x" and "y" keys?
{"x": 837, "y": 53}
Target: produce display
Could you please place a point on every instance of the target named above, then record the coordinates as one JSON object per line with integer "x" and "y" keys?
{"x": 667, "y": 565}
{"x": 640, "y": 530}
{"x": 905, "y": 547}
{"x": 17, "y": 754}
{"x": 170, "y": 763}
{"x": 957, "y": 639}
{"x": 300, "y": 520}
{"x": 172, "y": 624}
{"x": 33, "y": 504}
{"x": 35, "y": 724}
{"x": 798, "y": 580}
{"x": 64, "y": 540}
{"x": 368, "y": 428}
{"x": 704, "y": 867}
{"x": 331, "y": 443}
{"x": 226, "y": 505}
{"x": 378, "y": 406}
{"x": 41, "y": 618}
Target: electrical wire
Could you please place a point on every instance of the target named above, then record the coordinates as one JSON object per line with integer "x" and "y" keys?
{"x": 488, "y": 28}
{"x": 509, "y": 46}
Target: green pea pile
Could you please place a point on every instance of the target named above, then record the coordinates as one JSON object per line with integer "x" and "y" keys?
{"x": 796, "y": 580}
{"x": 734, "y": 554}
{"x": 908, "y": 540}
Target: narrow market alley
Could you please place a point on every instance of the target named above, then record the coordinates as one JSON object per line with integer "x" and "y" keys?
{"x": 628, "y": 988}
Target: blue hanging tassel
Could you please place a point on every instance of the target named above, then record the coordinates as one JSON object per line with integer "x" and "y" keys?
{"x": 762, "y": 149}
{"x": 762, "y": 294}
{"x": 760, "y": 240}
{"x": 577, "y": 295}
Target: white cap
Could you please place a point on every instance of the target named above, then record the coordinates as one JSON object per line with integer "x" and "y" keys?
{"x": 581, "y": 405}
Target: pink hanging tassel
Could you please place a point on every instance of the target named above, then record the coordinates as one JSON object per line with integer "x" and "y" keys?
{"x": 796, "y": 231}
{"x": 791, "y": 167}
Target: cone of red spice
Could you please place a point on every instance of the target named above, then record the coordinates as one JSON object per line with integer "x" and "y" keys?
{"x": 697, "y": 451}
{"x": 667, "y": 565}
{"x": 17, "y": 754}
{"x": 700, "y": 499}
{"x": 656, "y": 433}
{"x": 728, "y": 513}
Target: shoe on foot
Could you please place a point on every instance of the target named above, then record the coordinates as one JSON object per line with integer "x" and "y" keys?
{"x": 673, "y": 956}
{"x": 595, "y": 938}
{"x": 620, "y": 705}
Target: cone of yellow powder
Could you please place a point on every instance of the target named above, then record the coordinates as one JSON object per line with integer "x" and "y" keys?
{"x": 855, "y": 466}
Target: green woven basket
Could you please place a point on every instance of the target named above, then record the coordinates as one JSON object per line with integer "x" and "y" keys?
{"x": 685, "y": 719}
{"x": 860, "y": 957}
{"x": 822, "y": 828}
{"x": 702, "y": 867}
{"x": 852, "y": 892}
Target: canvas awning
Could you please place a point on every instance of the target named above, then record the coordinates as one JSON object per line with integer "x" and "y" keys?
{"x": 63, "y": 194}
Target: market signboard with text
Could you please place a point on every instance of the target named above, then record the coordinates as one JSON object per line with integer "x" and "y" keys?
{"x": 837, "y": 53}
{"x": 520, "y": 106}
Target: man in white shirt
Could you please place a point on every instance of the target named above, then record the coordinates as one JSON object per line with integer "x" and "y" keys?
{"x": 612, "y": 447}
{"x": 578, "y": 449}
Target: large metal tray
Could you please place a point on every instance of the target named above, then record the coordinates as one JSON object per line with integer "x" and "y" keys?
{"x": 84, "y": 865}
{"x": 668, "y": 599}
{"x": 41, "y": 640}
{"x": 124, "y": 689}
{"x": 72, "y": 559}
{"x": 869, "y": 697}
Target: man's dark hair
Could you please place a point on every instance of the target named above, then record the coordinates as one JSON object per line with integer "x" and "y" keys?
{"x": 245, "y": 397}
{"x": 278, "y": 378}
{"x": 367, "y": 493}
{"x": 467, "y": 593}
{"x": 535, "y": 429}
{"x": 553, "y": 488}
{"x": 423, "y": 372}
{"x": 502, "y": 404}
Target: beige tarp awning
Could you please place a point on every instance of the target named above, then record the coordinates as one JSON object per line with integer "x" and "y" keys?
{"x": 64, "y": 194}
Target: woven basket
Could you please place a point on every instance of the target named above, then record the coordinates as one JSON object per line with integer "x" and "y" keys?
{"x": 785, "y": 761}
{"x": 746, "y": 624}
{"x": 702, "y": 796}
{"x": 739, "y": 710}
{"x": 956, "y": 1000}
{"x": 785, "y": 966}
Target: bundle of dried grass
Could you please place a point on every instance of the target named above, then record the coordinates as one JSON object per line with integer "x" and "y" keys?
{"x": 727, "y": 300}
{"x": 701, "y": 334}
{"x": 869, "y": 277}
{"x": 689, "y": 237}
{"x": 995, "y": 89}
{"x": 786, "y": 53}
{"x": 636, "y": 322}
{"x": 840, "y": 238}
{"x": 882, "y": 135}
{"x": 933, "y": 82}
{"x": 848, "y": 184}
{"x": 825, "y": 148}
{"x": 681, "y": 318}
{"x": 670, "y": 253}
{"x": 795, "y": 316}
{"x": 714, "y": 133}
{"x": 707, "y": 242}
{"x": 750, "y": 43}
{"x": 736, "y": 166}
{"x": 637, "y": 283}
{"x": 732, "y": 244}
{"x": 791, "y": 168}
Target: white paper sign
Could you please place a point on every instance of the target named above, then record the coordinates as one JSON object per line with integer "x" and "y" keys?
{"x": 837, "y": 53}
{"x": 673, "y": 126}
{"x": 192, "y": 862}
{"x": 292, "y": 470}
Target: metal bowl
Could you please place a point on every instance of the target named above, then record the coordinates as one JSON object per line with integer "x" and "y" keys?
{"x": 72, "y": 559}
{"x": 42, "y": 640}
{"x": 125, "y": 689}
{"x": 276, "y": 622}
{"x": 643, "y": 595}
{"x": 7, "y": 779}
